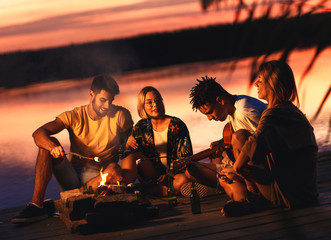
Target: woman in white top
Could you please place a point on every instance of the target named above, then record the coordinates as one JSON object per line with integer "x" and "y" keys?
{"x": 157, "y": 140}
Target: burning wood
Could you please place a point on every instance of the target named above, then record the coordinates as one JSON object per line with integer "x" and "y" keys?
{"x": 108, "y": 189}
{"x": 110, "y": 204}
{"x": 87, "y": 213}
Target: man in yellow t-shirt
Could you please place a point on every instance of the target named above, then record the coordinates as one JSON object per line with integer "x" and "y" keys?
{"x": 96, "y": 131}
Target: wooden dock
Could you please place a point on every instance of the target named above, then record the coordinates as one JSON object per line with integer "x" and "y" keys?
{"x": 180, "y": 223}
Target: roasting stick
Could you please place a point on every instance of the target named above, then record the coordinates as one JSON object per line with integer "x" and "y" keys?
{"x": 96, "y": 159}
{"x": 149, "y": 158}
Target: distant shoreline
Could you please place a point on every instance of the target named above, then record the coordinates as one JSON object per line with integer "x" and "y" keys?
{"x": 218, "y": 42}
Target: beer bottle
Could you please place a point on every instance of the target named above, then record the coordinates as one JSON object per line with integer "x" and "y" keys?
{"x": 138, "y": 135}
{"x": 85, "y": 189}
{"x": 171, "y": 192}
{"x": 195, "y": 200}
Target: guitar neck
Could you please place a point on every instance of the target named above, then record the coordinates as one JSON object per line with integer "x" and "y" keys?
{"x": 180, "y": 164}
{"x": 201, "y": 155}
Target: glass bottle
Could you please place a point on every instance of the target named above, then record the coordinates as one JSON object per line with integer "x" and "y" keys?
{"x": 195, "y": 200}
{"x": 138, "y": 135}
{"x": 85, "y": 189}
{"x": 171, "y": 192}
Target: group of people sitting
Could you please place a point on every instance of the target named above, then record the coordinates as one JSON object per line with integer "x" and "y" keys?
{"x": 272, "y": 158}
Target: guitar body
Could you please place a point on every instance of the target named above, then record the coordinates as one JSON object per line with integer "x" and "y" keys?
{"x": 227, "y": 133}
{"x": 180, "y": 164}
{"x": 227, "y": 136}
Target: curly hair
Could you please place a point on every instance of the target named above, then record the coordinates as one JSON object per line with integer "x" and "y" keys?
{"x": 206, "y": 91}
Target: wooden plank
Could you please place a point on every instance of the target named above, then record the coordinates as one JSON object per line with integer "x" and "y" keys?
{"x": 229, "y": 228}
{"x": 179, "y": 223}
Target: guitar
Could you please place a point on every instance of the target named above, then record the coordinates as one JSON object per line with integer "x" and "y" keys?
{"x": 180, "y": 164}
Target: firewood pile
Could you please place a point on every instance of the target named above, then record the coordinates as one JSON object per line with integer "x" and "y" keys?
{"x": 90, "y": 213}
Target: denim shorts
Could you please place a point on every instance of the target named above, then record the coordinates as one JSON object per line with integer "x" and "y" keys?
{"x": 69, "y": 178}
{"x": 225, "y": 163}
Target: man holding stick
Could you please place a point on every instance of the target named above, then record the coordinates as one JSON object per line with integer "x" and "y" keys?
{"x": 96, "y": 132}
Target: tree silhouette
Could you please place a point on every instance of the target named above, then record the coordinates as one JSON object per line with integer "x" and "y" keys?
{"x": 301, "y": 9}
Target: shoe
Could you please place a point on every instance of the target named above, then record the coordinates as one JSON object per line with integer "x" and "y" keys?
{"x": 49, "y": 207}
{"x": 203, "y": 190}
{"x": 31, "y": 213}
{"x": 240, "y": 208}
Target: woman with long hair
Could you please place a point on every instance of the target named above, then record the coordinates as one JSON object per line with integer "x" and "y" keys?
{"x": 278, "y": 161}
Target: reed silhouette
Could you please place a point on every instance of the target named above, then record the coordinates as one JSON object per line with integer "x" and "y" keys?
{"x": 319, "y": 37}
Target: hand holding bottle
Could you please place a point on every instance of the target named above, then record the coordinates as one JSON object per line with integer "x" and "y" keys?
{"x": 131, "y": 142}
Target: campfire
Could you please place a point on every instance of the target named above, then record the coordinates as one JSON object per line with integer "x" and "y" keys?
{"x": 109, "y": 207}
{"x": 108, "y": 189}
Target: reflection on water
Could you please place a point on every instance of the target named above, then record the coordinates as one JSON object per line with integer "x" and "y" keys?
{"x": 25, "y": 109}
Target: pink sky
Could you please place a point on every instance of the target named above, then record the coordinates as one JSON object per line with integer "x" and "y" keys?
{"x": 34, "y": 24}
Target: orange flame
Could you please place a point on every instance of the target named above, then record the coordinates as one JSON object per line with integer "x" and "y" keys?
{"x": 103, "y": 178}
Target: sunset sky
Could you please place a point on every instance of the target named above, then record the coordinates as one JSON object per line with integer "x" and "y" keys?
{"x": 33, "y": 24}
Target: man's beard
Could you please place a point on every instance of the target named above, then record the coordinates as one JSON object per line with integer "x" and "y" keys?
{"x": 97, "y": 109}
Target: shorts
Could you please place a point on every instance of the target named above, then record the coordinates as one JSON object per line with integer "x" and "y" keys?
{"x": 226, "y": 162}
{"x": 159, "y": 168}
{"x": 69, "y": 178}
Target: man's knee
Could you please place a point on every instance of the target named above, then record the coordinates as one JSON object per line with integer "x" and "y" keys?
{"x": 114, "y": 172}
{"x": 188, "y": 174}
{"x": 240, "y": 136}
{"x": 191, "y": 170}
{"x": 45, "y": 154}
{"x": 53, "y": 139}
{"x": 113, "y": 167}
{"x": 238, "y": 140}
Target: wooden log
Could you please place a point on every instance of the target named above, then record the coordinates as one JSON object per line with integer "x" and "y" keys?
{"x": 79, "y": 226}
{"x": 70, "y": 193}
{"x": 120, "y": 202}
{"x": 85, "y": 201}
{"x": 123, "y": 216}
{"x": 117, "y": 207}
{"x": 114, "y": 219}
{"x": 78, "y": 214}
{"x": 75, "y": 208}
{"x": 126, "y": 197}
{"x": 117, "y": 198}
{"x": 86, "y": 213}
{"x": 120, "y": 209}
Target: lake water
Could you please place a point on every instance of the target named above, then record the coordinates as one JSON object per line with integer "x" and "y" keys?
{"x": 25, "y": 109}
